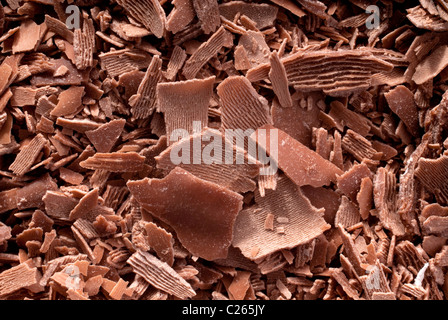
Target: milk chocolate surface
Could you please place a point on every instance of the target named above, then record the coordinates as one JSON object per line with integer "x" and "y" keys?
{"x": 223, "y": 150}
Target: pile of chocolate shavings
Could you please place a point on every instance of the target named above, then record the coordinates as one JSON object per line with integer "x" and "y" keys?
{"x": 91, "y": 207}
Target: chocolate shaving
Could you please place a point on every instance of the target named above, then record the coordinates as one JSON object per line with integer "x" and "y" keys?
{"x": 26, "y": 157}
{"x": 212, "y": 239}
{"x": 204, "y": 53}
{"x": 160, "y": 275}
{"x": 261, "y": 13}
{"x": 250, "y": 231}
{"x": 119, "y": 62}
{"x": 182, "y": 14}
{"x": 104, "y": 137}
{"x": 176, "y": 63}
{"x": 143, "y": 103}
{"x": 237, "y": 96}
{"x": 115, "y": 162}
{"x": 148, "y": 12}
{"x": 84, "y": 45}
{"x": 18, "y": 277}
{"x": 161, "y": 241}
{"x": 301, "y": 170}
{"x": 172, "y": 99}
{"x": 432, "y": 174}
{"x": 236, "y": 177}
{"x": 385, "y": 200}
{"x": 208, "y": 14}
{"x": 279, "y": 80}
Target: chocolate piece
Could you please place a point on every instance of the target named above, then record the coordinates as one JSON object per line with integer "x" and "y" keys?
{"x": 204, "y": 226}
{"x": 70, "y": 102}
{"x": 18, "y": 277}
{"x": 174, "y": 96}
{"x": 148, "y": 12}
{"x": 161, "y": 241}
{"x": 279, "y": 80}
{"x": 286, "y": 201}
{"x": 208, "y": 14}
{"x": 236, "y": 177}
{"x": 401, "y": 102}
{"x": 432, "y": 173}
{"x": 143, "y": 103}
{"x": 115, "y": 162}
{"x": 261, "y": 13}
{"x": 104, "y": 137}
{"x": 26, "y": 157}
{"x": 308, "y": 169}
{"x": 385, "y": 200}
{"x": 204, "y": 53}
{"x": 182, "y": 14}
{"x": 160, "y": 275}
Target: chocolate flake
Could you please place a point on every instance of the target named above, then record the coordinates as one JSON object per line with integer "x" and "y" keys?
{"x": 143, "y": 103}
{"x": 182, "y": 14}
{"x": 115, "y": 162}
{"x": 304, "y": 170}
{"x": 204, "y": 53}
{"x": 236, "y": 177}
{"x": 160, "y": 275}
{"x": 208, "y": 14}
{"x": 26, "y": 157}
{"x": 148, "y": 12}
{"x": 432, "y": 173}
{"x": 92, "y": 115}
{"x": 279, "y": 80}
{"x": 250, "y": 231}
{"x": 172, "y": 99}
{"x": 104, "y": 137}
{"x": 204, "y": 221}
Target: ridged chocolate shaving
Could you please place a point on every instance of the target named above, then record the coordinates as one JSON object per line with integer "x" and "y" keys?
{"x": 222, "y": 170}
{"x": 28, "y": 155}
{"x": 160, "y": 275}
{"x": 18, "y": 277}
{"x": 432, "y": 65}
{"x": 148, "y": 12}
{"x": 421, "y": 18}
{"x": 385, "y": 197}
{"x": 144, "y": 102}
{"x": 84, "y": 45}
{"x": 348, "y": 214}
{"x": 360, "y": 147}
{"x": 432, "y": 173}
{"x": 184, "y": 102}
{"x": 238, "y": 97}
{"x": 287, "y": 201}
{"x": 118, "y": 62}
{"x": 262, "y": 14}
{"x": 177, "y": 60}
{"x": 204, "y": 53}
